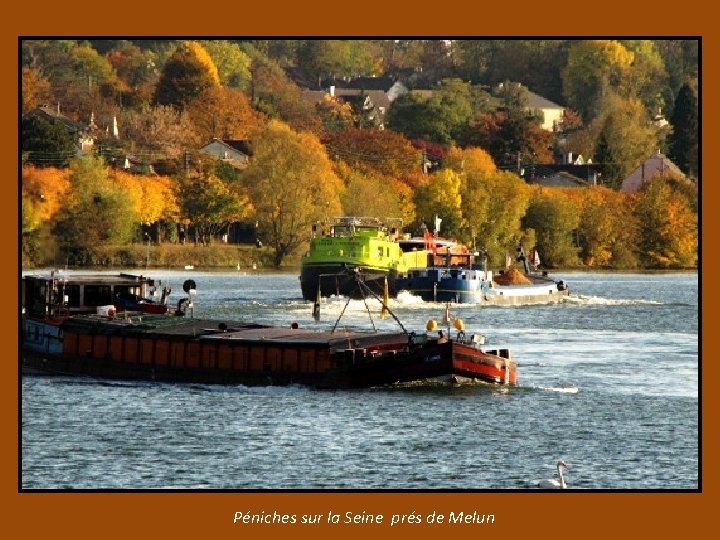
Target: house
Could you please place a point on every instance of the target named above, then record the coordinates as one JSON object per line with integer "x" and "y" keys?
{"x": 657, "y": 164}
{"x": 552, "y": 113}
{"x": 235, "y": 152}
{"x": 369, "y": 106}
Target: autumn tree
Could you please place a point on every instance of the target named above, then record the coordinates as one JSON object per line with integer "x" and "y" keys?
{"x": 381, "y": 152}
{"x": 292, "y": 185}
{"x": 223, "y": 113}
{"x": 153, "y": 198}
{"x": 210, "y": 205}
{"x": 36, "y": 90}
{"x": 667, "y": 213}
{"x": 186, "y": 74}
{"x": 274, "y": 95}
{"x": 43, "y": 192}
{"x": 375, "y": 195}
{"x": 493, "y": 205}
{"x": 137, "y": 74}
{"x": 162, "y": 131}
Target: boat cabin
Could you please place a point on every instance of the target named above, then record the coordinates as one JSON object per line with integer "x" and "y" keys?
{"x": 57, "y": 294}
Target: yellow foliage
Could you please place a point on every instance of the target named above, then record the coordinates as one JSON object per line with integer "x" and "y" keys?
{"x": 469, "y": 160}
{"x": 153, "y": 196}
{"x": 194, "y": 49}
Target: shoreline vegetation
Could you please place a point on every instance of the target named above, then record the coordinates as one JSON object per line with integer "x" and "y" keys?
{"x": 223, "y": 257}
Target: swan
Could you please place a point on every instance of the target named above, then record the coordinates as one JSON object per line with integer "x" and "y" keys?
{"x": 553, "y": 483}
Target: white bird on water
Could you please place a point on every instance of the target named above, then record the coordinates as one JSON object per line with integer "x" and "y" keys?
{"x": 554, "y": 483}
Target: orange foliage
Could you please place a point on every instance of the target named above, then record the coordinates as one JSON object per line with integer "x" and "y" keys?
{"x": 47, "y": 187}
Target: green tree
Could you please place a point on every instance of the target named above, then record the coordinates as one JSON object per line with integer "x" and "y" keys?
{"x": 292, "y": 185}
{"x": 684, "y": 139}
{"x": 593, "y": 68}
{"x": 441, "y": 197}
{"x": 210, "y": 205}
{"x": 233, "y": 64}
{"x": 439, "y": 119}
{"x": 96, "y": 212}
{"x": 496, "y": 204}
{"x": 322, "y": 58}
{"x": 625, "y": 138}
{"x": 46, "y": 142}
{"x": 186, "y": 74}
{"x": 555, "y": 221}
{"x": 647, "y": 78}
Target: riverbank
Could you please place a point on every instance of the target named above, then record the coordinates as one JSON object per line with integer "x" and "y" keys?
{"x": 216, "y": 256}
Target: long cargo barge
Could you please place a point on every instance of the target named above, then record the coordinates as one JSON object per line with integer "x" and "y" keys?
{"x": 147, "y": 346}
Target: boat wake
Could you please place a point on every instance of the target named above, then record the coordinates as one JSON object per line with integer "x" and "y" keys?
{"x": 584, "y": 300}
{"x": 561, "y": 389}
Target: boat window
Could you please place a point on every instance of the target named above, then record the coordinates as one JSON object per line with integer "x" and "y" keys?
{"x": 97, "y": 295}
{"x": 72, "y": 291}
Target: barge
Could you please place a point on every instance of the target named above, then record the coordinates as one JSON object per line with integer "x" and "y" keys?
{"x": 179, "y": 348}
{"x": 461, "y": 280}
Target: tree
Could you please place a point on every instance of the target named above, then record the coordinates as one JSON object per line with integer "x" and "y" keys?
{"x": 625, "y": 138}
{"x": 292, "y": 185}
{"x": 233, "y": 64}
{"x": 322, "y": 58}
{"x": 494, "y": 205}
{"x": 667, "y": 213}
{"x": 43, "y": 191}
{"x": 439, "y": 119}
{"x": 97, "y": 211}
{"x": 594, "y": 67}
{"x": 210, "y": 205}
{"x": 375, "y": 195}
{"x": 647, "y": 78}
{"x": 555, "y": 219}
{"x": 46, "y": 142}
{"x": 186, "y": 74}
{"x": 375, "y": 152}
{"x": 441, "y": 197}
{"x": 276, "y": 96}
{"x": 36, "y": 90}
{"x": 153, "y": 197}
{"x": 224, "y": 113}
{"x": 684, "y": 139}
{"x": 605, "y": 228}
{"x": 162, "y": 131}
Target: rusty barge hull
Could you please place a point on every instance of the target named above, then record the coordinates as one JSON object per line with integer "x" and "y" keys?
{"x": 170, "y": 349}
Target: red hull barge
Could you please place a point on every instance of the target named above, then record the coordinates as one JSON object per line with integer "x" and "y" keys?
{"x": 176, "y": 349}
